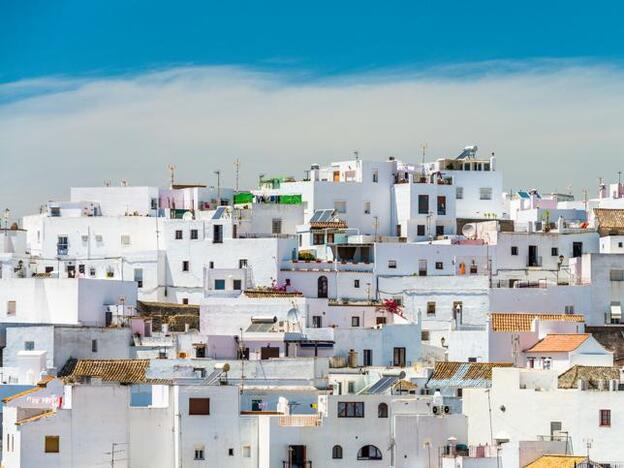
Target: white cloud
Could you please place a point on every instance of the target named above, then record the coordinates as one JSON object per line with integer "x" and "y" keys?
{"x": 550, "y": 124}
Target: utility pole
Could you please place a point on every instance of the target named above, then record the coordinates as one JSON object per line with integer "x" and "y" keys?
{"x": 218, "y": 173}
{"x": 237, "y": 168}
{"x": 171, "y": 168}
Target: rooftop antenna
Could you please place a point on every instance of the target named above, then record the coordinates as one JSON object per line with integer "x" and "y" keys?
{"x": 171, "y": 168}
{"x": 356, "y": 154}
{"x": 423, "y": 149}
{"x": 237, "y": 168}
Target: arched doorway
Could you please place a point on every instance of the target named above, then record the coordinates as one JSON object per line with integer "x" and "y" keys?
{"x": 322, "y": 287}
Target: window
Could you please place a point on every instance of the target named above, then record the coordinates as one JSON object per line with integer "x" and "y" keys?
{"x": 367, "y": 357}
{"x": 340, "y": 206}
{"x": 199, "y": 454}
{"x": 194, "y": 234}
{"x": 439, "y": 230}
{"x": 125, "y": 239}
{"x": 29, "y": 345}
{"x": 392, "y": 264}
{"x": 431, "y": 308}
{"x": 185, "y": 265}
{"x": 138, "y": 277}
{"x": 276, "y": 226}
{"x": 237, "y": 285}
{"x": 219, "y": 284}
{"x": 242, "y": 263}
{"x": 337, "y": 452}
{"x": 178, "y": 234}
{"x": 616, "y": 275}
{"x": 441, "y": 205}
{"x": 485, "y": 193}
{"x": 459, "y": 193}
{"x": 472, "y": 359}
{"x": 217, "y": 234}
{"x": 231, "y": 452}
{"x": 62, "y": 245}
{"x": 546, "y": 362}
{"x": 375, "y": 176}
{"x": 317, "y": 321}
{"x": 514, "y": 250}
{"x": 369, "y": 452}
{"x": 351, "y": 387}
{"x": 605, "y": 418}
{"x": 11, "y": 307}
{"x": 569, "y": 309}
{"x": 439, "y": 266}
{"x": 246, "y": 451}
{"x": 94, "y": 346}
{"x": 422, "y": 267}
{"x": 154, "y": 203}
{"x": 382, "y": 410}
{"x": 92, "y": 271}
{"x": 318, "y": 239}
{"x": 420, "y": 230}
{"x": 199, "y": 406}
{"x": 350, "y": 409}
{"x": 554, "y": 252}
{"x": 398, "y": 355}
{"x": 577, "y": 249}
{"x": 367, "y": 207}
{"x": 185, "y": 301}
{"x": 423, "y": 204}
{"x": 620, "y": 244}
{"x": 356, "y": 283}
{"x": 211, "y": 265}
{"x": 52, "y": 444}
{"x": 355, "y": 321}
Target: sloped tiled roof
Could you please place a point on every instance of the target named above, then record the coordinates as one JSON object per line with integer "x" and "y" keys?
{"x": 109, "y": 370}
{"x": 590, "y": 374}
{"x": 463, "y": 374}
{"x": 556, "y": 461}
{"x": 337, "y": 224}
{"x": 40, "y": 385}
{"x": 612, "y": 338}
{"x": 559, "y": 343}
{"x": 610, "y": 222}
{"x": 502, "y": 322}
{"x": 36, "y": 417}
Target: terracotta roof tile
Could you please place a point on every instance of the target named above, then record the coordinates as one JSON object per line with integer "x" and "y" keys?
{"x": 521, "y": 322}
{"x": 339, "y": 224}
{"x": 609, "y": 221}
{"x": 109, "y": 370}
{"x": 556, "y": 461}
{"x": 590, "y": 374}
{"x": 40, "y": 385}
{"x": 463, "y": 374}
{"x": 559, "y": 343}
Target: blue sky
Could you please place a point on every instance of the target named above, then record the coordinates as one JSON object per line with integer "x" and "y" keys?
{"x": 42, "y": 37}
{"x": 92, "y": 91}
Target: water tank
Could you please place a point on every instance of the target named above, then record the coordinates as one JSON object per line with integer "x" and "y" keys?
{"x": 353, "y": 358}
{"x": 470, "y": 230}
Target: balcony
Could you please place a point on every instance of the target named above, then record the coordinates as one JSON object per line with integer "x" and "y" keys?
{"x": 62, "y": 249}
{"x": 534, "y": 261}
{"x": 300, "y": 420}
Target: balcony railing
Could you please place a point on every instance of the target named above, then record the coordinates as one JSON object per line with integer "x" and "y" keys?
{"x": 62, "y": 249}
{"x": 288, "y": 464}
{"x": 534, "y": 262}
{"x": 300, "y": 420}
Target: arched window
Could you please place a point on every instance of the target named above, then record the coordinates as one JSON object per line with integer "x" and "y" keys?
{"x": 369, "y": 452}
{"x": 382, "y": 410}
{"x": 322, "y": 286}
{"x": 337, "y": 451}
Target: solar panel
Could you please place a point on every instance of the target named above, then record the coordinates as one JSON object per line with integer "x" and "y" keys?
{"x": 523, "y": 194}
{"x": 322, "y": 216}
{"x": 383, "y": 384}
{"x": 219, "y": 212}
{"x": 213, "y": 377}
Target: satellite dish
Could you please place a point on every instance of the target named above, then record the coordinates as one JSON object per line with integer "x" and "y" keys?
{"x": 187, "y": 216}
{"x": 293, "y": 316}
{"x": 469, "y": 230}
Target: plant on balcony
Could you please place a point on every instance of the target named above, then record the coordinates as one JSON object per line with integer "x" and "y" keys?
{"x": 390, "y": 305}
{"x": 306, "y": 256}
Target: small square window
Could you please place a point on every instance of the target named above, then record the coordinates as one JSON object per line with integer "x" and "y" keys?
{"x": 219, "y": 284}
{"x": 356, "y": 283}
{"x": 194, "y": 234}
{"x": 237, "y": 285}
{"x": 392, "y": 264}
{"x": 554, "y": 252}
{"x": 11, "y": 307}
{"x": 199, "y": 406}
{"x": 620, "y": 244}
{"x": 29, "y": 345}
{"x": 355, "y": 321}
{"x": 185, "y": 265}
{"x": 485, "y": 193}
{"x": 125, "y": 239}
{"x": 439, "y": 265}
{"x": 431, "y": 308}
{"x": 178, "y": 234}
{"x": 231, "y": 452}
{"x": 52, "y": 444}
{"x": 185, "y": 301}
{"x": 420, "y": 230}
{"x": 605, "y": 418}
{"x": 459, "y": 193}
{"x": 199, "y": 454}
{"x": 514, "y": 250}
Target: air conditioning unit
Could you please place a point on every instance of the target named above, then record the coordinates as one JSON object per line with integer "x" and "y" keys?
{"x": 441, "y": 409}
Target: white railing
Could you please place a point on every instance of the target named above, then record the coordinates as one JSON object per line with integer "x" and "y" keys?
{"x": 300, "y": 420}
